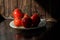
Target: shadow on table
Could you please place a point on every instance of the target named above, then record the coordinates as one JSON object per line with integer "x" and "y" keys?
{"x": 1, "y": 18}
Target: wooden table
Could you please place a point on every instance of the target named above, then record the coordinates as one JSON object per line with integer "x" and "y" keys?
{"x": 7, "y": 33}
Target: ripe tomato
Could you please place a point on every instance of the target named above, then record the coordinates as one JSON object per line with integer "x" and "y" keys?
{"x": 17, "y": 22}
{"x": 35, "y": 19}
{"x": 26, "y": 21}
{"x": 17, "y": 13}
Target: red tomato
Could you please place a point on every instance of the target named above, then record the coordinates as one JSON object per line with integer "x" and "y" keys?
{"x": 26, "y": 15}
{"x": 17, "y": 13}
{"x": 17, "y": 22}
{"x": 26, "y": 21}
{"x": 35, "y": 19}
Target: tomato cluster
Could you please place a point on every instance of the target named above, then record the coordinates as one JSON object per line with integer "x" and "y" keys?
{"x": 21, "y": 19}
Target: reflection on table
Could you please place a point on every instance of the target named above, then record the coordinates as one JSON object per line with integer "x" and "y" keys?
{"x": 8, "y": 33}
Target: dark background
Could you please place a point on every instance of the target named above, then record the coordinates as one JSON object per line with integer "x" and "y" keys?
{"x": 1, "y": 18}
{"x": 52, "y": 6}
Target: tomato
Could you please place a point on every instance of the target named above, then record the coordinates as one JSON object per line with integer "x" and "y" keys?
{"x": 26, "y": 21}
{"x": 17, "y": 13}
{"x": 17, "y": 22}
{"x": 35, "y": 19}
{"x": 26, "y": 15}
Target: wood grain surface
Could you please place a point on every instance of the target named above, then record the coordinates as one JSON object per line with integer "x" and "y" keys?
{"x": 8, "y": 33}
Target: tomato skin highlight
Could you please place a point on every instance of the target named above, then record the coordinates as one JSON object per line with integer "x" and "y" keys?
{"x": 17, "y": 22}
{"x": 17, "y": 13}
